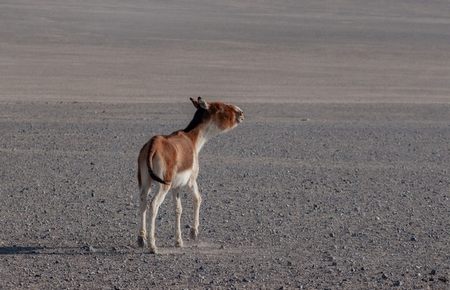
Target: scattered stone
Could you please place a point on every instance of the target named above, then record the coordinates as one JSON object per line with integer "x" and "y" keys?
{"x": 413, "y": 239}
{"x": 443, "y": 279}
{"x": 433, "y": 272}
{"x": 89, "y": 249}
{"x": 384, "y": 276}
{"x": 398, "y": 283}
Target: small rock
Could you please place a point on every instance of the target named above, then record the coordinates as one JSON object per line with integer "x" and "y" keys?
{"x": 398, "y": 283}
{"x": 413, "y": 239}
{"x": 443, "y": 279}
{"x": 433, "y": 272}
{"x": 384, "y": 276}
{"x": 90, "y": 249}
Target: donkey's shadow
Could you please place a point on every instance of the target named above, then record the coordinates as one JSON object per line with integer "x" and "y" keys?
{"x": 69, "y": 251}
{"x": 189, "y": 248}
{"x": 19, "y": 250}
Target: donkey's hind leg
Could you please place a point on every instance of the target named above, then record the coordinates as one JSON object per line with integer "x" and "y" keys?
{"x": 178, "y": 210}
{"x": 154, "y": 207}
{"x": 143, "y": 206}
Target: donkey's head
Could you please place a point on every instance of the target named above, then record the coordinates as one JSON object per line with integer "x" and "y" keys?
{"x": 224, "y": 116}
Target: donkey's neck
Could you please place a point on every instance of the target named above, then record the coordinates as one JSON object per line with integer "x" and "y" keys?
{"x": 202, "y": 133}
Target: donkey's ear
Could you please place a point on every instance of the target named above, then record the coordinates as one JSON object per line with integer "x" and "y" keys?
{"x": 194, "y": 102}
{"x": 202, "y": 103}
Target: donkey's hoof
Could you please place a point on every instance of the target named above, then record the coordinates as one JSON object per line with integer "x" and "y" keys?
{"x": 179, "y": 244}
{"x": 194, "y": 234}
{"x": 142, "y": 242}
{"x": 153, "y": 250}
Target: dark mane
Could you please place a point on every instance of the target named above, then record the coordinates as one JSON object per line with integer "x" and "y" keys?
{"x": 198, "y": 118}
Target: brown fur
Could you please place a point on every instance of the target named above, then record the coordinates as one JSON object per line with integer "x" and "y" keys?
{"x": 175, "y": 157}
{"x": 176, "y": 150}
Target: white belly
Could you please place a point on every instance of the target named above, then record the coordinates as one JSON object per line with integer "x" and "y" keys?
{"x": 181, "y": 179}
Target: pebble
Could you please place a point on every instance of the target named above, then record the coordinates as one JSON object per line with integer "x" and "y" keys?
{"x": 443, "y": 279}
{"x": 398, "y": 283}
{"x": 90, "y": 249}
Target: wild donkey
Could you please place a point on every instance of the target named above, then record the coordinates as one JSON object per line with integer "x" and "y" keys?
{"x": 172, "y": 161}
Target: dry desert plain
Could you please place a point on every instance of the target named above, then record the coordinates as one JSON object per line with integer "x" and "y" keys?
{"x": 337, "y": 179}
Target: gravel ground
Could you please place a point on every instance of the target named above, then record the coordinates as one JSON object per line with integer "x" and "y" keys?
{"x": 337, "y": 179}
{"x": 308, "y": 195}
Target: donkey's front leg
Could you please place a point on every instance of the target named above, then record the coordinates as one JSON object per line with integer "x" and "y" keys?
{"x": 178, "y": 210}
{"x": 197, "y": 202}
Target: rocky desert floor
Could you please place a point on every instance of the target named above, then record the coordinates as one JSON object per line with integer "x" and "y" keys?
{"x": 337, "y": 179}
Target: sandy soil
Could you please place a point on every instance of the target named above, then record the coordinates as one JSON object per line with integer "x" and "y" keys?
{"x": 337, "y": 179}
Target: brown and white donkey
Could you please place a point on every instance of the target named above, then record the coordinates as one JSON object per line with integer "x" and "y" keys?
{"x": 172, "y": 161}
